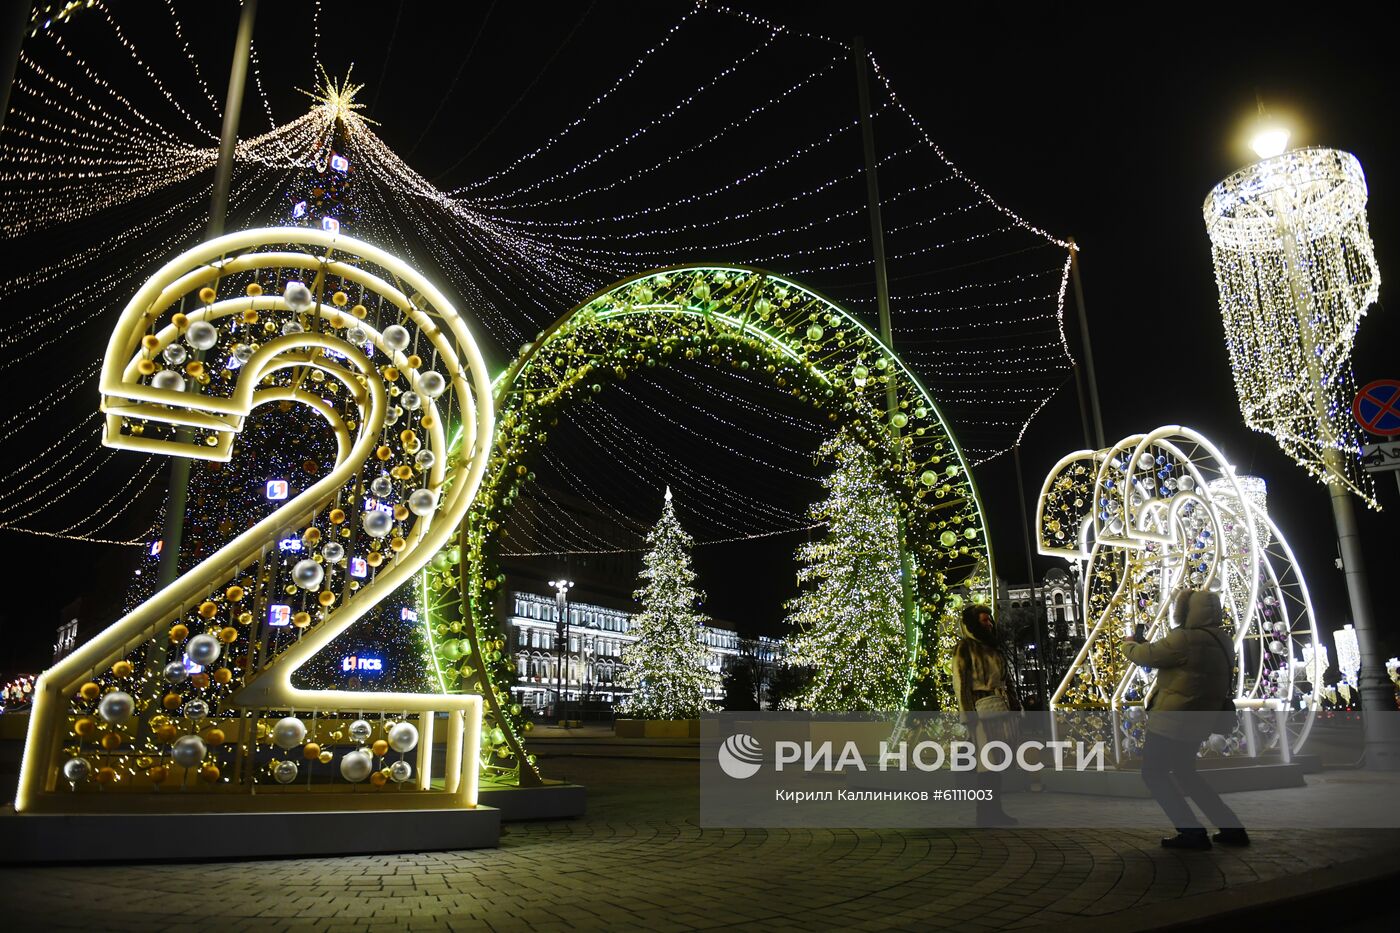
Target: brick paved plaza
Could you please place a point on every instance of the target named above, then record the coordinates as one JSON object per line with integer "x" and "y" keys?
{"x": 640, "y": 861}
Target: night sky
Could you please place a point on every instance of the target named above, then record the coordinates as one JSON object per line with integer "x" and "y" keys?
{"x": 1112, "y": 136}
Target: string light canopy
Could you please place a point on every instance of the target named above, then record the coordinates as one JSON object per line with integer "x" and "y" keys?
{"x": 1296, "y": 271}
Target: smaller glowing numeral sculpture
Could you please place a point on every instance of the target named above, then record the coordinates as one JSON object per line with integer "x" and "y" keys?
{"x": 188, "y": 702}
{"x": 1158, "y": 512}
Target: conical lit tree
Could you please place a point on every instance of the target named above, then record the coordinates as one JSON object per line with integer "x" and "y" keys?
{"x": 847, "y": 622}
{"x": 667, "y": 666}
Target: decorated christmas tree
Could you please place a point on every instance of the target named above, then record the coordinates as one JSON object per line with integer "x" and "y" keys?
{"x": 847, "y": 623}
{"x": 667, "y": 666}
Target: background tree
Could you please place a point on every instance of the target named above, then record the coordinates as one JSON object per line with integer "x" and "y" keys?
{"x": 740, "y": 687}
{"x": 847, "y": 621}
{"x": 667, "y": 667}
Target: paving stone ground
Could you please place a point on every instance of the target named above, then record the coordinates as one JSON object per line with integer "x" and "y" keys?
{"x": 639, "y": 860}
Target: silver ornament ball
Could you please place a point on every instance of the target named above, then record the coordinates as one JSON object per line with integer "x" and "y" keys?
{"x": 378, "y": 524}
{"x": 203, "y": 649}
{"x": 422, "y": 502}
{"x": 202, "y": 335}
{"x": 400, "y": 771}
{"x": 334, "y": 552}
{"x": 284, "y": 772}
{"x": 430, "y": 384}
{"x": 424, "y": 459}
{"x": 288, "y": 732}
{"x": 188, "y": 751}
{"x": 297, "y": 296}
{"x": 360, "y": 730}
{"x": 396, "y": 337}
{"x": 403, "y": 737}
{"x": 381, "y": 486}
{"x": 411, "y": 401}
{"x": 356, "y": 766}
{"x": 116, "y": 707}
{"x": 196, "y": 709}
{"x": 169, "y": 380}
{"x": 174, "y": 354}
{"x": 308, "y": 574}
{"x": 175, "y": 673}
{"x": 77, "y": 770}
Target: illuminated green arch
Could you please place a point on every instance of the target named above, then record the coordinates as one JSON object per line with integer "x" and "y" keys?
{"x": 750, "y": 320}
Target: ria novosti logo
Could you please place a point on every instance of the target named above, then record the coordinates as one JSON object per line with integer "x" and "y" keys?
{"x": 740, "y": 756}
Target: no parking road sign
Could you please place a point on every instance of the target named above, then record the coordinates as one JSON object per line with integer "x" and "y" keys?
{"x": 1377, "y": 407}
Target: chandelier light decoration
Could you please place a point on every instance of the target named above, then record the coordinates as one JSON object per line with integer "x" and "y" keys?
{"x": 1163, "y": 511}
{"x": 191, "y": 702}
{"x": 1296, "y": 272}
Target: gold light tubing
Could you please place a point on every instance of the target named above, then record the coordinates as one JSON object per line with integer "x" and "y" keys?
{"x": 1296, "y": 272}
{"x": 187, "y": 703}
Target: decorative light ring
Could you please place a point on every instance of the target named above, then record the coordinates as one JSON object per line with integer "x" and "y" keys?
{"x": 776, "y": 329}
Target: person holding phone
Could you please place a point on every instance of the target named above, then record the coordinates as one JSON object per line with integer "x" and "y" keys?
{"x": 1195, "y": 679}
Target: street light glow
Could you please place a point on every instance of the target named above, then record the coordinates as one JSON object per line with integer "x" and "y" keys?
{"x": 1269, "y": 140}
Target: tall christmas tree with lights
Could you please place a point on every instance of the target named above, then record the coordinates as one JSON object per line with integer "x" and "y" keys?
{"x": 279, "y": 458}
{"x": 667, "y": 666}
{"x": 847, "y": 620}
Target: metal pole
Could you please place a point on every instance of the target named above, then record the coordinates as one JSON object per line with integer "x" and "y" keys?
{"x": 882, "y": 297}
{"x": 1041, "y": 634}
{"x": 16, "y": 18}
{"x": 1088, "y": 346}
{"x": 172, "y": 537}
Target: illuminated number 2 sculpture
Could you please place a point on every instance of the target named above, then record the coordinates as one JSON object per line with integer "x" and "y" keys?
{"x": 188, "y": 701}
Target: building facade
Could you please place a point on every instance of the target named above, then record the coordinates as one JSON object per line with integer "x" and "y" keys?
{"x": 1020, "y": 611}
{"x": 593, "y": 658}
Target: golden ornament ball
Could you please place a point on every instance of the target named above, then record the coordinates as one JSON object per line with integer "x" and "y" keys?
{"x": 209, "y": 773}
{"x": 360, "y": 311}
{"x": 400, "y": 512}
{"x": 325, "y": 598}
{"x": 156, "y": 774}
{"x": 301, "y": 619}
{"x": 145, "y": 367}
{"x": 208, "y": 609}
{"x": 181, "y": 321}
{"x": 106, "y": 775}
{"x": 311, "y": 535}
{"x": 340, "y": 299}
{"x": 158, "y": 720}
{"x": 179, "y": 632}
{"x": 380, "y": 748}
{"x": 150, "y": 343}
{"x": 312, "y": 750}
{"x": 337, "y": 516}
{"x": 207, "y": 295}
{"x": 228, "y": 634}
{"x": 168, "y": 733}
{"x": 123, "y": 668}
{"x": 234, "y": 594}
{"x": 379, "y": 778}
{"x": 262, "y": 729}
{"x": 145, "y": 761}
{"x": 199, "y": 681}
{"x": 214, "y": 736}
{"x": 90, "y": 691}
{"x": 391, "y": 372}
{"x": 374, "y": 558}
{"x": 253, "y": 290}
{"x": 402, "y": 471}
{"x": 85, "y": 727}
{"x": 325, "y": 757}
{"x": 384, "y": 453}
{"x": 413, "y": 361}
{"x": 250, "y": 316}
{"x": 194, "y": 368}
{"x": 427, "y": 421}
{"x": 223, "y": 675}
{"x": 112, "y": 741}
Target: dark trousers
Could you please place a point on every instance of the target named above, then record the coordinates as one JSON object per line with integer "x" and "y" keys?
{"x": 1169, "y": 771}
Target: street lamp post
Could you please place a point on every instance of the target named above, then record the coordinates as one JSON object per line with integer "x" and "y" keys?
{"x": 1296, "y": 271}
{"x": 561, "y": 642}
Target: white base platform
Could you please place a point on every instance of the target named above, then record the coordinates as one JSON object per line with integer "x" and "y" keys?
{"x": 546, "y": 802}
{"x": 151, "y": 837}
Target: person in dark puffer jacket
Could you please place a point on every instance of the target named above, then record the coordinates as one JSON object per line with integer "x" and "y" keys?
{"x": 1194, "y": 665}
